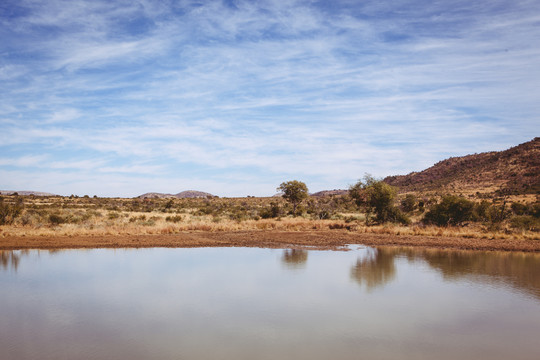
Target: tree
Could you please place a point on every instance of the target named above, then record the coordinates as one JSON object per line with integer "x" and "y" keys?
{"x": 452, "y": 210}
{"x": 376, "y": 196}
{"x": 294, "y": 191}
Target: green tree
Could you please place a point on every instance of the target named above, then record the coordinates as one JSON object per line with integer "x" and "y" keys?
{"x": 452, "y": 210}
{"x": 377, "y": 197}
{"x": 294, "y": 191}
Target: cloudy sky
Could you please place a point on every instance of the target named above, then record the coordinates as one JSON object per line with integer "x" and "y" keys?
{"x": 118, "y": 98}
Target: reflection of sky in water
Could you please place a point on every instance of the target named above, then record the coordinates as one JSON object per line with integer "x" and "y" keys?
{"x": 243, "y": 303}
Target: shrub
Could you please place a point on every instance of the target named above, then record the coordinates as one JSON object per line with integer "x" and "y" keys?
{"x": 174, "y": 219}
{"x": 56, "y": 219}
{"x": 525, "y": 222}
{"x": 484, "y": 211}
{"x": 9, "y": 212}
{"x": 396, "y": 215}
{"x": 519, "y": 209}
{"x": 113, "y": 215}
{"x": 273, "y": 211}
{"x": 408, "y": 204}
{"x": 452, "y": 210}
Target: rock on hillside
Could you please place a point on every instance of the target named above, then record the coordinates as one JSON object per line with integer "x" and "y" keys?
{"x": 516, "y": 170}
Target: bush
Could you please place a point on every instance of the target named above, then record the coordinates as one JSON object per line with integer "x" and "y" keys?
{"x": 398, "y": 216}
{"x": 56, "y": 219}
{"x": 485, "y": 212}
{"x": 452, "y": 210}
{"x": 273, "y": 211}
{"x": 174, "y": 219}
{"x": 525, "y": 222}
{"x": 408, "y": 204}
{"x": 9, "y": 212}
{"x": 519, "y": 209}
{"x": 113, "y": 215}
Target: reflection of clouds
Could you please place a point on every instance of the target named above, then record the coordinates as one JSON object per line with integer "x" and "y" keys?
{"x": 294, "y": 258}
{"x": 173, "y": 303}
{"x": 376, "y": 269}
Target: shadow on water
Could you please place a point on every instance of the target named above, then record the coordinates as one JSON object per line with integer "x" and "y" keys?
{"x": 520, "y": 271}
{"x": 294, "y": 258}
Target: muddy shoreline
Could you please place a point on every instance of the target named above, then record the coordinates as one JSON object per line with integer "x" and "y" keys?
{"x": 322, "y": 239}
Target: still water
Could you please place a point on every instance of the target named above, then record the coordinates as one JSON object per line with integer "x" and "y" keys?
{"x": 248, "y": 303}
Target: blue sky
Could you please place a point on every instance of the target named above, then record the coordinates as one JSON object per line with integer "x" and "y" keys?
{"x": 118, "y": 98}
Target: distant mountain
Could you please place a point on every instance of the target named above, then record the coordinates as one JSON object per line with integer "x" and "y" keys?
{"x": 35, "y": 193}
{"x": 516, "y": 170}
{"x": 330, "y": 193}
{"x": 154, "y": 195}
{"x": 193, "y": 194}
{"x": 181, "y": 195}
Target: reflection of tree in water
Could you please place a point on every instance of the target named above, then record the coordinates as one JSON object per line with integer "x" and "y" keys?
{"x": 376, "y": 269}
{"x": 518, "y": 270}
{"x": 294, "y": 258}
{"x": 10, "y": 259}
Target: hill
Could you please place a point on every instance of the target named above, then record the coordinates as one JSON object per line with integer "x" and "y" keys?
{"x": 193, "y": 194}
{"x": 513, "y": 171}
{"x": 35, "y": 193}
{"x": 181, "y": 195}
{"x": 330, "y": 192}
{"x": 154, "y": 195}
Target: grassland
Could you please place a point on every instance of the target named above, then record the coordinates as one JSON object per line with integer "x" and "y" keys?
{"x": 72, "y": 222}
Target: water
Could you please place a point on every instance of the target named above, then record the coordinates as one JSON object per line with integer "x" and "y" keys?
{"x": 248, "y": 303}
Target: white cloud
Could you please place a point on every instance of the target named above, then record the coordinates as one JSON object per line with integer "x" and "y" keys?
{"x": 267, "y": 90}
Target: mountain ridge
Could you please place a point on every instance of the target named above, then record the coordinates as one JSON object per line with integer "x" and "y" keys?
{"x": 512, "y": 171}
{"x": 26, "y": 193}
{"x": 187, "y": 194}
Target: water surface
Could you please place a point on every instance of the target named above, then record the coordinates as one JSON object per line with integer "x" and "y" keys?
{"x": 248, "y": 303}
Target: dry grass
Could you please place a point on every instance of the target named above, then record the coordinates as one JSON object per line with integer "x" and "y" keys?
{"x": 137, "y": 223}
{"x": 99, "y": 217}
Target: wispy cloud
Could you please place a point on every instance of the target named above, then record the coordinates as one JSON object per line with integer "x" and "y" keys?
{"x": 239, "y": 95}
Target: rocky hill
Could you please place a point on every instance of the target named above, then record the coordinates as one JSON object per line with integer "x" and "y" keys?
{"x": 154, "y": 195}
{"x": 24, "y": 193}
{"x": 516, "y": 171}
{"x": 330, "y": 192}
{"x": 181, "y": 195}
{"x": 193, "y": 194}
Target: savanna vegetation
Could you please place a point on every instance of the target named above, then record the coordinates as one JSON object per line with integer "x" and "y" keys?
{"x": 371, "y": 206}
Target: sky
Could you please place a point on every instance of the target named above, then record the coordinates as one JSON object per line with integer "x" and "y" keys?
{"x": 119, "y": 98}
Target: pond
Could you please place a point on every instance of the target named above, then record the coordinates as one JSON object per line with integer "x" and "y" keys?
{"x": 250, "y": 303}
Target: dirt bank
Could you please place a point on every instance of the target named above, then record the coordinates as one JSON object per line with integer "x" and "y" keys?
{"x": 266, "y": 239}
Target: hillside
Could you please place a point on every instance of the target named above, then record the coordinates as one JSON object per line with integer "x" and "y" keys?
{"x": 516, "y": 171}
